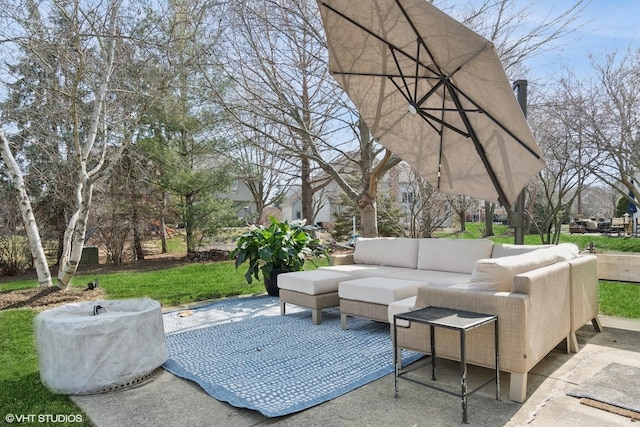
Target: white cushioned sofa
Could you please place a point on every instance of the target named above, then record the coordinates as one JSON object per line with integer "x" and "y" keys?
{"x": 541, "y": 295}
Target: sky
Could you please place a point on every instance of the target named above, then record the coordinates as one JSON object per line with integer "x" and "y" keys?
{"x": 604, "y": 26}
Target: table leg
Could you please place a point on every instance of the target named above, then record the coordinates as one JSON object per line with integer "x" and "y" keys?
{"x": 433, "y": 352}
{"x": 463, "y": 376}
{"x": 395, "y": 357}
{"x": 497, "y": 360}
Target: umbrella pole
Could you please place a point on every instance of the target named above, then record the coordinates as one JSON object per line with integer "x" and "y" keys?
{"x": 519, "y": 222}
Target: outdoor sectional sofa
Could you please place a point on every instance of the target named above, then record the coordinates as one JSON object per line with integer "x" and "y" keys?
{"x": 541, "y": 294}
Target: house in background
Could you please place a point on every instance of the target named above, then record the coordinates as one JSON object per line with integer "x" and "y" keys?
{"x": 397, "y": 183}
{"x": 242, "y": 199}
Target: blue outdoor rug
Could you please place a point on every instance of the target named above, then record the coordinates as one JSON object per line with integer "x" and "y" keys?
{"x": 242, "y": 351}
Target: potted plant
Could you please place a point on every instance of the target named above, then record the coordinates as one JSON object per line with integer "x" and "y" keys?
{"x": 276, "y": 248}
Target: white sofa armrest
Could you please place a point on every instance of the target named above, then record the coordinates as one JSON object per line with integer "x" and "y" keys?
{"x": 549, "y": 314}
{"x": 401, "y": 306}
{"x": 584, "y": 295}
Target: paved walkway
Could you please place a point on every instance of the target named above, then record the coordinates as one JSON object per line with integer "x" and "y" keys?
{"x": 170, "y": 401}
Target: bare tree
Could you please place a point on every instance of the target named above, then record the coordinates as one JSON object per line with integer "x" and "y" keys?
{"x": 285, "y": 81}
{"x": 426, "y": 209}
{"x": 262, "y": 166}
{"x": 606, "y": 117}
{"x": 559, "y": 130}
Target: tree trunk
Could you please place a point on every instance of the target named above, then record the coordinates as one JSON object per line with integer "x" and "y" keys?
{"x": 368, "y": 215}
{"x": 163, "y": 227}
{"x": 35, "y": 244}
{"x": 463, "y": 220}
{"x": 137, "y": 238}
{"x": 61, "y": 225}
{"x": 307, "y": 191}
{"x": 74, "y": 234}
{"x": 188, "y": 223}
{"x": 489, "y": 209}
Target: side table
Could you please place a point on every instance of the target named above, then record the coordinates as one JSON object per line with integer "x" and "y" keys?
{"x": 458, "y": 320}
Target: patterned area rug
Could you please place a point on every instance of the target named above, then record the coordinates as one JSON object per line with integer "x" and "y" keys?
{"x": 242, "y": 351}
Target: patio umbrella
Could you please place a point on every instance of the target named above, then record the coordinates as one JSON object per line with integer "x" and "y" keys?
{"x": 433, "y": 92}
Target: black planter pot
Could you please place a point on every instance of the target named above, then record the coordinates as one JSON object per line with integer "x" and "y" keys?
{"x": 271, "y": 282}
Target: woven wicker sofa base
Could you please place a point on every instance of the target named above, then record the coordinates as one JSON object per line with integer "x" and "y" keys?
{"x": 368, "y": 310}
{"x": 315, "y": 302}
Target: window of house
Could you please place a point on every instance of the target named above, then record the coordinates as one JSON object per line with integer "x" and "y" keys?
{"x": 407, "y": 196}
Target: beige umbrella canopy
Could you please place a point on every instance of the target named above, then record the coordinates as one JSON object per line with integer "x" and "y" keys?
{"x": 433, "y": 92}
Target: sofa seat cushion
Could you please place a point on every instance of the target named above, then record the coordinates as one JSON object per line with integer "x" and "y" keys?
{"x": 454, "y": 255}
{"x": 496, "y": 274}
{"x": 432, "y": 277}
{"x": 357, "y": 271}
{"x": 378, "y": 290}
{"x": 312, "y": 282}
{"x": 399, "y": 307}
{"x": 390, "y": 251}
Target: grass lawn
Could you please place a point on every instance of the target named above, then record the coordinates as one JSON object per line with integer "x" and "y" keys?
{"x": 188, "y": 283}
{"x": 21, "y": 392}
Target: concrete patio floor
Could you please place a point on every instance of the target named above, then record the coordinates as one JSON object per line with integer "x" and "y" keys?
{"x": 169, "y": 400}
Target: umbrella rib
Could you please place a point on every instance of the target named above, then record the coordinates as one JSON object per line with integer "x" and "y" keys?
{"x": 450, "y": 109}
{"x": 405, "y": 96}
{"x": 440, "y": 145}
{"x": 502, "y": 197}
{"x": 389, "y": 45}
{"x": 420, "y": 40}
{"x": 500, "y": 125}
{"x": 431, "y": 92}
{"x": 426, "y": 116}
{"x": 474, "y": 56}
{"x": 415, "y": 83}
{"x": 404, "y": 81}
{"x": 351, "y": 73}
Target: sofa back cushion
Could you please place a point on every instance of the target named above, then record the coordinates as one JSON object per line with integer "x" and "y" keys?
{"x": 496, "y": 274}
{"x": 455, "y": 255}
{"x": 391, "y": 251}
{"x": 567, "y": 251}
{"x": 508, "y": 249}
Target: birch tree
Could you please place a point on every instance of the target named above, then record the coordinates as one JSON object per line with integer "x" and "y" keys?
{"x": 35, "y": 245}
{"x": 87, "y": 37}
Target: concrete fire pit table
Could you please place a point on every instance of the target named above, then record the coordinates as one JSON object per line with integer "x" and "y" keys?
{"x": 99, "y": 346}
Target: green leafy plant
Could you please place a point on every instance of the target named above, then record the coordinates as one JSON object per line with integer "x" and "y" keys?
{"x": 278, "y": 246}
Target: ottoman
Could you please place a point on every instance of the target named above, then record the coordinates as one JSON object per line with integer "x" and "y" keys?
{"x": 370, "y": 297}
{"x": 314, "y": 289}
